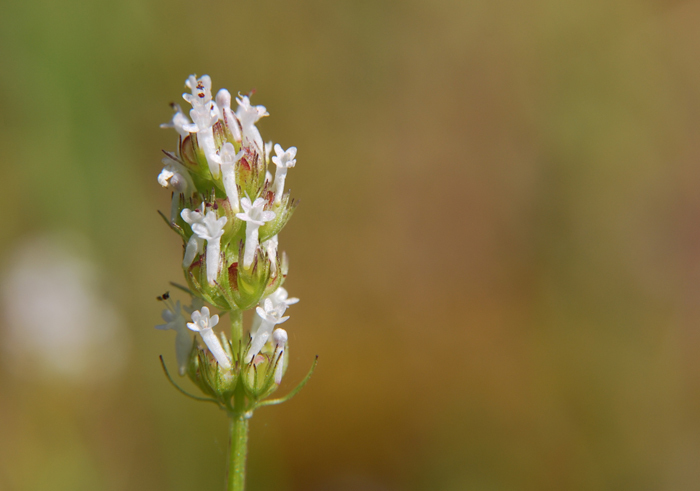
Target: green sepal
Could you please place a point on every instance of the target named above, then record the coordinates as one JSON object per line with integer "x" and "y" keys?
{"x": 283, "y": 212}
{"x": 197, "y": 280}
{"x": 207, "y": 374}
{"x": 258, "y": 376}
{"x": 247, "y": 286}
{"x": 250, "y": 173}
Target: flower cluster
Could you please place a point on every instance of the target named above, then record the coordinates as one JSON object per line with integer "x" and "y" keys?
{"x": 228, "y": 210}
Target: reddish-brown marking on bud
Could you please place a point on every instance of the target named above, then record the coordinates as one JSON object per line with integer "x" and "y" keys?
{"x": 233, "y": 275}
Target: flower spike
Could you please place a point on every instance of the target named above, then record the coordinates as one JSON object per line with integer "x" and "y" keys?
{"x": 232, "y": 259}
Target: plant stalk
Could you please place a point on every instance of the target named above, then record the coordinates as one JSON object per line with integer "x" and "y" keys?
{"x": 239, "y": 443}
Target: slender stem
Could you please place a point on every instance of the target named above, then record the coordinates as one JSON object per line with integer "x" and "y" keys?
{"x": 239, "y": 449}
{"x": 239, "y": 443}
{"x": 236, "y": 329}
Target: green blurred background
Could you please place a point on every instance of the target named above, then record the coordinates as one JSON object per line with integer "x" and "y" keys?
{"x": 497, "y": 247}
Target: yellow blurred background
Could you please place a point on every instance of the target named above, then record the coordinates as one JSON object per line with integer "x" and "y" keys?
{"x": 497, "y": 249}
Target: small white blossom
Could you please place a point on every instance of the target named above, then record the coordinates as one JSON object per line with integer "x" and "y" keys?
{"x": 270, "y": 246}
{"x": 249, "y": 115}
{"x": 255, "y": 217}
{"x": 164, "y": 176}
{"x": 202, "y": 323}
{"x": 211, "y": 229}
{"x": 229, "y": 157}
{"x": 175, "y": 176}
{"x": 195, "y": 245}
{"x": 268, "y": 152}
{"x": 172, "y": 315}
{"x": 281, "y": 296}
{"x": 283, "y": 160}
{"x": 279, "y": 337}
{"x": 178, "y": 122}
{"x": 204, "y": 114}
{"x": 270, "y": 316}
{"x": 223, "y": 101}
{"x": 278, "y": 297}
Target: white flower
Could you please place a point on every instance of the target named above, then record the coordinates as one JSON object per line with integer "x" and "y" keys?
{"x": 283, "y": 160}
{"x": 165, "y": 175}
{"x": 204, "y": 114}
{"x": 172, "y": 315}
{"x": 281, "y": 296}
{"x": 255, "y": 217}
{"x": 229, "y": 157}
{"x": 195, "y": 245}
{"x": 175, "y": 176}
{"x": 202, "y": 323}
{"x": 179, "y": 121}
{"x": 223, "y": 101}
{"x": 268, "y": 152}
{"x": 270, "y": 246}
{"x": 270, "y": 316}
{"x": 249, "y": 115}
{"x": 211, "y": 228}
{"x": 278, "y": 297}
{"x": 279, "y": 337}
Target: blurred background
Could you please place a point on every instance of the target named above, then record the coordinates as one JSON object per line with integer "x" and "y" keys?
{"x": 497, "y": 249}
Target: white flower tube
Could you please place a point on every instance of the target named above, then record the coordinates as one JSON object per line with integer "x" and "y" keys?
{"x": 255, "y": 217}
{"x": 204, "y": 114}
{"x": 270, "y": 315}
{"x": 283, "y": 160}
{"x": 270, "y": 246}
{"x": 229, "y": 157}
{"x": 211, "y": 229}
{"x": 249, "y": 115}
{"x": 195, "y": 245}
{"x": 202, "y": 323}
{"x": 280, "y": 339}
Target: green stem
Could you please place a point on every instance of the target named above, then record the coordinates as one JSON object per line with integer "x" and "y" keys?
{"x": 239, "y": 449}
{"x": 239, "y": 441}
{"x": 236, "y": 328}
